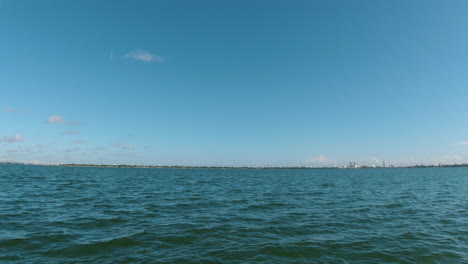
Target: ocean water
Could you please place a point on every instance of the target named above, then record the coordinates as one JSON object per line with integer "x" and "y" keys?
{"x": 119, "y": 215}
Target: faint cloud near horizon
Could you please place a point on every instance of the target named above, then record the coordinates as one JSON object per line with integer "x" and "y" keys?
{"x": 144, "y": 56}
{"x": 118, "y": 145}
{"x": 320, "y": 159}
{"x": 99, "y": 148}
{"x": 71, "y": 149}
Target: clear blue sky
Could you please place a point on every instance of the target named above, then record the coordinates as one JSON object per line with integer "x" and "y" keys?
{"x": 234, "y": 82}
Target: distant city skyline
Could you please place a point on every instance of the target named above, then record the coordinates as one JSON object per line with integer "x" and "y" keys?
{"x": 236, "y": 83}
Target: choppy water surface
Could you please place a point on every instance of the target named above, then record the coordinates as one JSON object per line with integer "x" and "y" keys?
{"x": 110, "y": 215}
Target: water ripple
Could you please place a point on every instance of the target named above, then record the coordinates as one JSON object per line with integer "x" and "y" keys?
{"x": 109, "y": 215}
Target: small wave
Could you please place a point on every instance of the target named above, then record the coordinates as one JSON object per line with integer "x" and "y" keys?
{"x": 93, "y": 248}
{"x": 265, "y": 206}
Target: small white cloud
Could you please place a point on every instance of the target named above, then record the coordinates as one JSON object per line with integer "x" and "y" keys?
{"x": 374, "y": 160}
{"x": 12, "y": 139}
{"x": 55, "y": 120}
{"x": 322, "y": 159}
{"x": 144, "y": 56}
{"x": 462, "y": 142}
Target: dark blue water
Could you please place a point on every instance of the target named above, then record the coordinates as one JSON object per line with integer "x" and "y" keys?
{"x": 110, "y": 215}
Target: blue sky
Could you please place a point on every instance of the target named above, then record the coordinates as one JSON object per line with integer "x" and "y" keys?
{"x": 234, "y": 82}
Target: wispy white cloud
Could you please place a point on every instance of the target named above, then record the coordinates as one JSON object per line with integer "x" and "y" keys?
{"x": 462, "y": 142}
{"x": 59, "y": 120}
{"x": 99, "y": 148}
{"x": 71, "y": 132}
{"x": 12, "y": 139}
{"x": 20, "y": 150}
{"x": 71, "y": 150}
{"x": 144, "y": 56}
{"x": 12, "y": 110}
{"x": 118, "y": 145}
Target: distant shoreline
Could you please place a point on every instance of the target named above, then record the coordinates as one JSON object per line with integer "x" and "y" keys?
{"x": 231, "y": 167}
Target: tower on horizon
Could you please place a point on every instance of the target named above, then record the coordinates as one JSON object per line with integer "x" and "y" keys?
{"x": 383, "y": 164}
